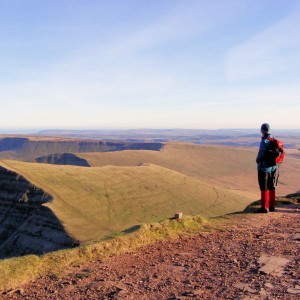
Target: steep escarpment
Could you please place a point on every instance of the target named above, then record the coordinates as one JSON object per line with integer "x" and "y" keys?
{"x": 29, "y": 149}
{"x": 12, "y": 144}
{"x": 63, "y": 159}
{"x": 26, "y": 226}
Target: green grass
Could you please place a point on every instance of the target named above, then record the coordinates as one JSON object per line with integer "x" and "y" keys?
{"x": 95, "y": 202}
{"x": 232, "y": 168}
{"x": 200, "y": 161}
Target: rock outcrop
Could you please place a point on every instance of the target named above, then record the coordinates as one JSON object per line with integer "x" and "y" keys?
{"x": 26, "y": 226}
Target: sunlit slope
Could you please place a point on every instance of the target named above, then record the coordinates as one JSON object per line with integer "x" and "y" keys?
{"x": 231, "y": 168}
{"x": 93, "y": 202}
{"x": 226, "y": 167}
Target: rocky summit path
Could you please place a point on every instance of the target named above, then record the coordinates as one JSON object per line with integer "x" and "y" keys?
{"x": 256, "y": 257}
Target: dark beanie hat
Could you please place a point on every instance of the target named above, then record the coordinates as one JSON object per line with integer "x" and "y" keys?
{"x": 265, "y": 127}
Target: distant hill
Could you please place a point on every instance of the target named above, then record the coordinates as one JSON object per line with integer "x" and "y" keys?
{"x": 227, "y": 137}
{"x": 30, "y": 148}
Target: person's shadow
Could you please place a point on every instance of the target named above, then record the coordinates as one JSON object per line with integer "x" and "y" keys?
{"x": 288, "y": 204}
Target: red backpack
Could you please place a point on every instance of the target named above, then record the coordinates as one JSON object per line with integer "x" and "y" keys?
{"x": 275, "y": 154}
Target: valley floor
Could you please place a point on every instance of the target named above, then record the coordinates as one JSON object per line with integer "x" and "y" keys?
{"x": 254, "y": 256}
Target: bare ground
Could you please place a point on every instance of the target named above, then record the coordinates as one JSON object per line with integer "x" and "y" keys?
{"x": 255, "y": 256}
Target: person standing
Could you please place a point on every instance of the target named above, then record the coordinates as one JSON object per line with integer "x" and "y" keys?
{"x": 266, "y": 173}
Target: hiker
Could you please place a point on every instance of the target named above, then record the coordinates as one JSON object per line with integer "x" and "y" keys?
{"x": 266, "y": 172}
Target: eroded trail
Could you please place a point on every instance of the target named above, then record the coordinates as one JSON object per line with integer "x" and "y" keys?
{"x": 256, "y": 257}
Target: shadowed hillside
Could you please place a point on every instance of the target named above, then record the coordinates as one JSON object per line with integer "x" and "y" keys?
{"x": 94, "y": 202}
{"x": 26, "y": 226}
{"x": 63, "y": 159}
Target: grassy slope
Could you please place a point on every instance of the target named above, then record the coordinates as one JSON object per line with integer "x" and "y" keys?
{"x": 93, "y": 202}
{"x": 227, "y": 167}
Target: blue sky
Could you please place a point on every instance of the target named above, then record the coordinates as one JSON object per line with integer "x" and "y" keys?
{"x": 155, "y": 64}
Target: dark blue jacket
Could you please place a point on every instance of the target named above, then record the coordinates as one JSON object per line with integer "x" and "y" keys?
{"x": 260, "y": 159}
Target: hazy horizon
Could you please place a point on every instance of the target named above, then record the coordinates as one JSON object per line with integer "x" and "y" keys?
{"x": 40, "y": 130}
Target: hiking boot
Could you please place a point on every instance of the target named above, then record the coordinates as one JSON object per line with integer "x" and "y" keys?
{"x": 261, "y": 210}
{"x": 272, "y": 209}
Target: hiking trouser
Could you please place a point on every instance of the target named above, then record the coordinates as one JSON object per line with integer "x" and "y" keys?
{"x": 267, "y": 180}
